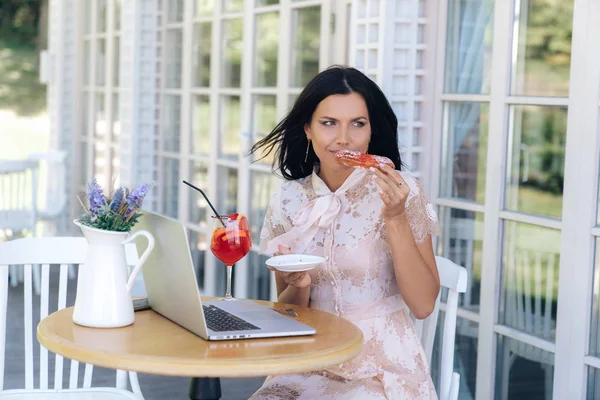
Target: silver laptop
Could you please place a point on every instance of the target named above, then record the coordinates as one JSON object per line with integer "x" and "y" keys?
{"x": 170, "y": 280}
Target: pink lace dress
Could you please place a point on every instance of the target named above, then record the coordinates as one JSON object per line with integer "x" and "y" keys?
{"x": 357, "y": 282}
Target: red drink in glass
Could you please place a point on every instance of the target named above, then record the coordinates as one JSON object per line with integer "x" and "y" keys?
{"x": 230, "y": 242}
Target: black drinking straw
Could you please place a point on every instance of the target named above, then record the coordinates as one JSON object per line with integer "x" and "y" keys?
{"x": 207, "y": 200}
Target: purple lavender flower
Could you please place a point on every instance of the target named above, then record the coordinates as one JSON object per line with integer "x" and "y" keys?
{"x": 117, "y": 199}
{"x": 130, "y": 215}
{"x": 95, "y": 197}
{"x": 136, "y": 197}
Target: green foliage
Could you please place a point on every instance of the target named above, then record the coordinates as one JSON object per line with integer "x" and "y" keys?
{"x": 544, "y": 132}
{"x": 110, "y": 221}
{"x": 19, "y": 21}
{"x": 550, "y": 30}
{"x": 20, "y": 88}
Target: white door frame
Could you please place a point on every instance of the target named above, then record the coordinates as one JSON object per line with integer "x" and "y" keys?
{"x": 579, "y": 200}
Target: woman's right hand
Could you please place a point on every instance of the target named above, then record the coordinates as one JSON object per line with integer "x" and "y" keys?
{"x": 298, "y": 280}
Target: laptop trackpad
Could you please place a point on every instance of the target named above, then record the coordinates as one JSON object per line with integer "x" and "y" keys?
{"x": 258, "y": 315}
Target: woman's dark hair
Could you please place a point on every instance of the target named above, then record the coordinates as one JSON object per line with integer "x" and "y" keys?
{"x": 289, "y": 141}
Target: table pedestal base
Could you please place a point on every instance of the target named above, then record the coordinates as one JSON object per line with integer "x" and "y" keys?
{"x": 205, "y": 389}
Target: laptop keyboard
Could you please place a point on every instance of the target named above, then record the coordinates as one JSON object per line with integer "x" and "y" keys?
{"x": 219, "y": 320}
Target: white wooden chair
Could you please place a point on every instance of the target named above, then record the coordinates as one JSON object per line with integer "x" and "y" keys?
{"x": 48, "y": 252}
{"x": 52, "y": 188}
{"x": 18, "y": 204}
{"x": 454, "y": 278}
{"x": 530, "y": 278}
{"x": 458, "y": 245}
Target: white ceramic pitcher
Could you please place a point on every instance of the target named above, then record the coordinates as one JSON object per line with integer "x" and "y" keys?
{"x": 103, "y": 288}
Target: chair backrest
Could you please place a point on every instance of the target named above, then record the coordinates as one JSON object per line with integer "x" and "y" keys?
{"x": 529, "y": 291}
{"x": 454, "y": 278}
{"x": 52, "y": 183}
{"x": 48, "y": 252}
{"x": 18, "y": 194}
{"x": 458, "y": 245}
{"x": 529, "y": 294}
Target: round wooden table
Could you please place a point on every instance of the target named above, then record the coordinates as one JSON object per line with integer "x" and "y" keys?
{"x": 155, "y": 345}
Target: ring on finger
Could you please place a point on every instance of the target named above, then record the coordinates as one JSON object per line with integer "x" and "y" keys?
{"x": 399, "y": 184}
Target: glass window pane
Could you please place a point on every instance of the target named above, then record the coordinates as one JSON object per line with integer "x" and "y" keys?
{"x": 227, "y": 180}
{"x": 416, "y": 138}
{"x": 117, "y": 14}
{"x": 201, "y": 125}
{"x": 595, "y": 325}
{"x": 231, "y": 71}
{"x": 171, "y": 123}
{"x": 173, "y": 58}
{"x": 204, "y": 7}
{"x": 100, "y": 62}
{"x": 232, "y": 43}
{"x": 463, "y": 167}
{"x": 202, "y": 51}
{"x": 175, "y": 11}
{"x": 306, "y": 37}
{"x": 101, "y": 16}
{"x": 170, "y": 187}
{"x": 85, "y": 119}
{"x": 89, "y": 10}
{"x": 115, "y": 164}
{"x": 99, "y": 116}
{"x": 233, "y": 5}
{"x": 267, "y": 29}
{"x": 264, "y": 120}
{"x": 263, "y": 186}
{"x": 469, "y": 46}
{"x": 530, "y": 260}
{"x": 593, "y": 384}
{"x": 230, "y": 125}
{"x": 259, "y": 277}
{"x": 116, "y": 60}
{"x": 100, "y": 163}
{"x": 465, "y": 355}
{"x": 536, "y": 160}
{"x": 87, "y": 62}
{"x": 83, "y": 153}
{"x": 523, "y": 371}
{"x": 199, "y": 209}
{"x": 461, "y": 240}
{"x": 542, "y": 46}
{"x": 116, "y": 123}
{"x": 266, "y": 2}
{"x": 198, "y": 243}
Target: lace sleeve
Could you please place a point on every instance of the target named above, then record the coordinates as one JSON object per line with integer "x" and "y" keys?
{"x": 421, "y": 215}
{"x": 275, "y": 224}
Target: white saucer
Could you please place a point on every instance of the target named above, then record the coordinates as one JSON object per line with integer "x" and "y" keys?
{"x": 294, "y": 262}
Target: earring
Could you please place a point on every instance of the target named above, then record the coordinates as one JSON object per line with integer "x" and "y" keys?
{"x": 307, "y": 149}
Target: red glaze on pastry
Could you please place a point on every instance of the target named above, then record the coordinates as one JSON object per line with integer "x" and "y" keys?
{"x": 352, "y": 158}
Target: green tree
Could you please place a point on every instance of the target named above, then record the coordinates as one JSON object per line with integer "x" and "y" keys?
{"x": 23, "y": 32}
{"x": 549, "y": 31}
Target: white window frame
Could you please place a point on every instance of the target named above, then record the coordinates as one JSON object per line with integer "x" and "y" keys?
{"x": 579, "y": 199}
{"x": 378, "y": 59}
{"x": 581, "y": 202}
{"x": 247, "y": 90}
{"x": 92, "y": 89}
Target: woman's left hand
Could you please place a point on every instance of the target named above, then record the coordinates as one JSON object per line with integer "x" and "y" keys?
{"x": 393, "y": 190}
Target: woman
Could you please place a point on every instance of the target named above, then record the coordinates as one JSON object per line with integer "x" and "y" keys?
{"x": 374, "y": 229}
